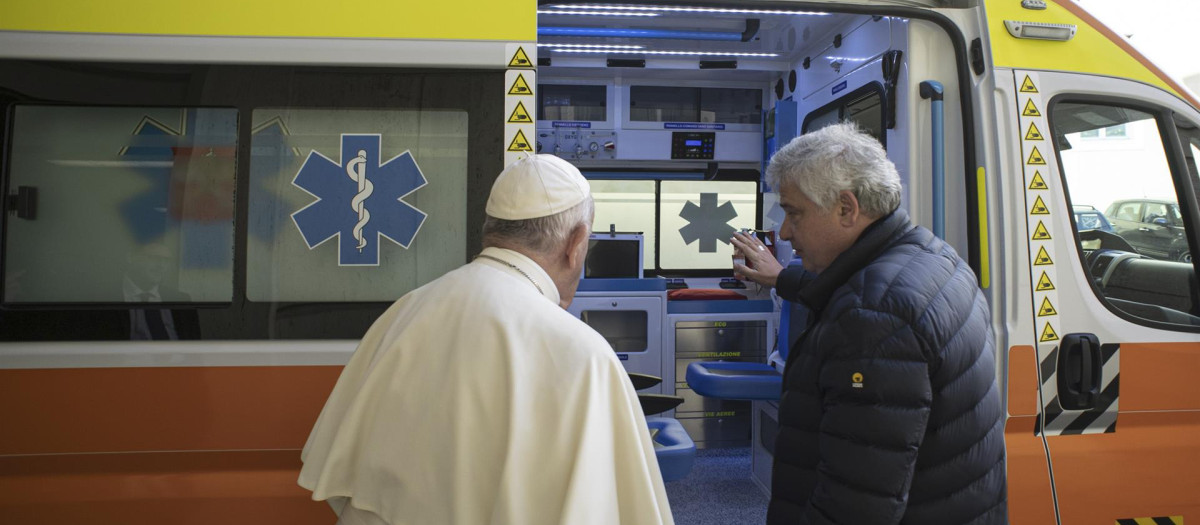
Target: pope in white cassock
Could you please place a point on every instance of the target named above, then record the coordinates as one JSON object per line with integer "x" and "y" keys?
{"x": 477, "y": 399}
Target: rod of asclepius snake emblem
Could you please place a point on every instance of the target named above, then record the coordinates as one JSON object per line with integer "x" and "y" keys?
{"x": 357, "y": 170}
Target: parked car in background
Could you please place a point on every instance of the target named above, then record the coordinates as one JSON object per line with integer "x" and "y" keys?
{"x": 1089, "y": 218}
{"x": 1154, "y": 227}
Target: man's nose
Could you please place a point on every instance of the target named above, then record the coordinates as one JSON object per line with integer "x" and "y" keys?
{"x": 785, "y": 230}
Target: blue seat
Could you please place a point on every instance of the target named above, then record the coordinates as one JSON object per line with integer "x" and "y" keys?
{"x": 674, "y": 448}
{"x": 735, "y": 380}
{"x": 750, "y": 381}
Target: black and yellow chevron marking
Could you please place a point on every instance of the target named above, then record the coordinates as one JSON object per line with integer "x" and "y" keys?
{"x": 1166, "y": 520}
{"x": 1087, "y": 419}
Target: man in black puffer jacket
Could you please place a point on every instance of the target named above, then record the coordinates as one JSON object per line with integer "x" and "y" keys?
{"x": 890, "y": 411}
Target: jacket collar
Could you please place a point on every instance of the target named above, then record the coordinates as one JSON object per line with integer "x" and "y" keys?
{"x": 865, "y": 249}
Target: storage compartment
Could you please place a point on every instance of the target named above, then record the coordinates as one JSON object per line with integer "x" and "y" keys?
{"x": 703, "y": 104}
{"x": 718, "y": 431}
{"x": 625, "y": 330}
{"x": 720, "y": 340}
{"x": 697, "y": 405}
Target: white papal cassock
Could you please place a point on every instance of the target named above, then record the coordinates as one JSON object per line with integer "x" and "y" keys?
{"x": 477, "y": 400}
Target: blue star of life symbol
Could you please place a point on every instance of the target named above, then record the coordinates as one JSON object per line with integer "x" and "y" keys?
{"x": 707, "y": 222}
{"x": 359, "y": 200}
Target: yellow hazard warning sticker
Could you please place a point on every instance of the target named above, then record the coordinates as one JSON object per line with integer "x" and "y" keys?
{"x": 520, "y": 86}
{"x": 1034, "y": 133}
{"x": 1043, "y": 257}
{"x": 1048, "y": 334}
{"x": 1038, "y": 183}
{"x": 520, "y": 115}
{"x": 1027, "y": 86}
{"x": 1041, "y": 233}
{"x": 1047, "y": 308}
{"x": 1044, "y": 283}
{"x": 1035, "y": 158}
{"x": 521, "y": 59}
{"x": 1030, "y": 110}
{"x": 519, "y": 143}
{"x": 1039, "y": 208}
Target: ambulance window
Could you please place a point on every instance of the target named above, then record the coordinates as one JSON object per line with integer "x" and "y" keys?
{"x": 628, "y": 207}
{"x": 863, "y": 106}
{"x": 1115, "y": 168}
{"x": 120, "y": 205}
{"x": 697, "y": 218}
{"x": 306, "y": 181}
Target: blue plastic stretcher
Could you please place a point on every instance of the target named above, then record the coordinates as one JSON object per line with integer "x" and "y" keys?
{"x": 675, "y": 449}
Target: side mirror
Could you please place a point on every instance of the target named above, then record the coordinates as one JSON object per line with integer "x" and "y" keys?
{"x": 1160, "y": 221}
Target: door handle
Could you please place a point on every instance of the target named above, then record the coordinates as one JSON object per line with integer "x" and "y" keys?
{"x": 1080, "y": 369}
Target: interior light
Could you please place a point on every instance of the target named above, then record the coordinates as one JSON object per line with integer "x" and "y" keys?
{"x": 1040, "y": 30}
{"x": 677, "y": 9}
{"x": 675, "y": 53}
{"x": 589, "y": 46}
{"x": 595, "y": 13}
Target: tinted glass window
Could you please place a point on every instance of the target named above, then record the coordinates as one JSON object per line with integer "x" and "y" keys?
{"x": 1143, "y": 265}
{"x": 307, "y": 180}
{"x": 266, "y": 202}
{"x": 132, "y": 204}
{"x": 864, "y": 107}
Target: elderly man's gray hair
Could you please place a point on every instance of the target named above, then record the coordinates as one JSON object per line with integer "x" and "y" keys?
{"x": 540, "y": 234}
{"x": 822, "y": 163}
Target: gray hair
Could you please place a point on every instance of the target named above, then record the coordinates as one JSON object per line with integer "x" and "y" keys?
{"x": 838, "y": 157}
{"x": 540, "y": 234}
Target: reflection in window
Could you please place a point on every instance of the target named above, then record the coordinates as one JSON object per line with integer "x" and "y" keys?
{"x": 134, "y": 204}
{"x": 1142, "y": 266}
{"x": 309, "y": 241}
{"x": 1117, "y": 131}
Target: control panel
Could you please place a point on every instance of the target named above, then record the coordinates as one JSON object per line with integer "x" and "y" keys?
{"x": 573, "y": 144}
{"x": 697, "y": 145}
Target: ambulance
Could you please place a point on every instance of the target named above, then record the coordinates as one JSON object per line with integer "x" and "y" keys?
{"x": 206, "y": 205}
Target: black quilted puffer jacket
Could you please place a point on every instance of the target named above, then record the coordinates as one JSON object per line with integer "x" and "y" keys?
{"x": 890, "y": 410}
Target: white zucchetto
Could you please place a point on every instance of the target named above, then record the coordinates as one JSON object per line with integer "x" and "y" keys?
{"x": 536, "y": 186}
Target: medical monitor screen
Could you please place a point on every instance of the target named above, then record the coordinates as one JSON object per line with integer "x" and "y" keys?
{"x": 613, "y": 258}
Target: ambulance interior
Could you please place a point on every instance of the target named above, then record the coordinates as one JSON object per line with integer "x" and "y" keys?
{"x": 672, "y": 113}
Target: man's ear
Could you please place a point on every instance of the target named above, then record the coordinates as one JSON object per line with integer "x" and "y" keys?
{"x": 575, "y": 242}
{"x": 848, "y": 210}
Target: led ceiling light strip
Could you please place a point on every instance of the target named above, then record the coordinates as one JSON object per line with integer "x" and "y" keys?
{"x": 676, "y": 53}
{"x": 678, "y": 9}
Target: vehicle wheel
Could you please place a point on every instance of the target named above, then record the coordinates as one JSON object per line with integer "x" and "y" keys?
{"x": 1185, "y": 256}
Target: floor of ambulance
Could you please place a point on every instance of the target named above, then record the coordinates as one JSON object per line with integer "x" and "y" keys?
{"x": 718, "y": 491}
